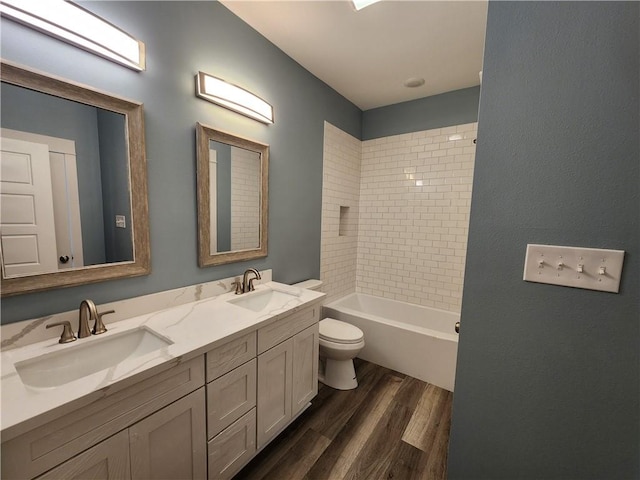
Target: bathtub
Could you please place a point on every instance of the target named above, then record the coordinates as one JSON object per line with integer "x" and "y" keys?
{"x": 411, "y": 339}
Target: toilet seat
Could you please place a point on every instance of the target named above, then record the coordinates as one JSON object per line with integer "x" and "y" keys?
{"x": 335, "y": 331}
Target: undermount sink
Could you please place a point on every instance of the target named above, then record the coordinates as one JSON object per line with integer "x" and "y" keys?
{"x": 263, "y": 300}
{"x": 81, "y": 359}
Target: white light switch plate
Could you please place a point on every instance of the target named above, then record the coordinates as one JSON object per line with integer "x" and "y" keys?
{"x": 590, "y": 268}
{"x": 121, "y": 221}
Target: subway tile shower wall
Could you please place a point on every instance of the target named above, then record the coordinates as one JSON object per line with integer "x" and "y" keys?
{"x": 245, "y": 199}
{"x": 413, "y": 195}
{"x": 340, "y": 188}
{"x": 415, "y": 198}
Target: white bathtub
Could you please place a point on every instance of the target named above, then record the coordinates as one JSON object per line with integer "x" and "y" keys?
{"x": 411, "y": 339}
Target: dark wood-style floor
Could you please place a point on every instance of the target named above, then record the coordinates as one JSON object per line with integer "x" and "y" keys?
{"x": 391, "y": 427}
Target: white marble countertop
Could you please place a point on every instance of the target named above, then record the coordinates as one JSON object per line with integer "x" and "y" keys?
{"x": 193, "y": 328}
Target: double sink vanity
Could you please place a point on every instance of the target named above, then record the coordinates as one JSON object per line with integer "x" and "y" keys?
{"x": 191, "y": 391}
{"x": 175, "y": 389}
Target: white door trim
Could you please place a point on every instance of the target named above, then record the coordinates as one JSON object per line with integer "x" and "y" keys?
{"x": 66, "y": 197}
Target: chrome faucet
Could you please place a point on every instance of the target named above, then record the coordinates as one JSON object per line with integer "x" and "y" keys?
{"x": 87, "y": 312}
{"x": 247, "y": 283}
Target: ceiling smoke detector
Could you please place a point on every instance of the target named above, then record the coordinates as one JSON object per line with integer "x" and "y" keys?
{"x": 360, "y": 4}
{"x": 414, "y": 82}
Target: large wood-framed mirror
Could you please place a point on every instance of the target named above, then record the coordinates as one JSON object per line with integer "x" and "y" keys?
{"x": 74, "y": 206}
{"x": 233, "y": 197}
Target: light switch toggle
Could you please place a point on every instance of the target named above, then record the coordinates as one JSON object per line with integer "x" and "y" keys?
{"x": 579, "y": 267}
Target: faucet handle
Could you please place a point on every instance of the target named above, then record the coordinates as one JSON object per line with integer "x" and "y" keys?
{"x": 67, "y": 334}
{"x": 238, "y": 285}
{"x": 99, "y": 327}
{"x": 251, "y": 286}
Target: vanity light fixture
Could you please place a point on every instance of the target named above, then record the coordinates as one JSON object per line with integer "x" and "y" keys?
{"x": 73, "y": 24}
{"x": 232, "y": 97}
{"x": 360, "y": 4}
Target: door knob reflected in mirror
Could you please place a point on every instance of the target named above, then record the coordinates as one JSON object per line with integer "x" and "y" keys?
{"x": 64, "y": 258}
{"x": 457, "y": 327}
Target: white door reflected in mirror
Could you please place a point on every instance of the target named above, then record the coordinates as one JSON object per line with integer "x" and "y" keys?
{"x": 65, "y": 197}
{"x": 28, "y": 238}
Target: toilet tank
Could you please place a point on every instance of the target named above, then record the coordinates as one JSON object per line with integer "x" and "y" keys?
{"x": 311, "y": 284}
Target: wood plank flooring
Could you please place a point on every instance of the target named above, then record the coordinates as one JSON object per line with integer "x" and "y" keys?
{"x": 391, "y": 427}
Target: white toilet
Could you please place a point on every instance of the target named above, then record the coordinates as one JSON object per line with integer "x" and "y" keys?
{"x": 340, "y": 343}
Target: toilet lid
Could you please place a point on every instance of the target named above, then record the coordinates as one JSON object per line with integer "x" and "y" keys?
{"x": 339, "y": 332}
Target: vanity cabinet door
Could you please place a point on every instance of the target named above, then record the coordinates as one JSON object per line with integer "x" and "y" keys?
{"x": 274, "y": 390}
{"x": 50, "y": 444}
{"x": 108, "y": 460}
{"x": 305, "y": 367}
{"x": 171, "y": 443}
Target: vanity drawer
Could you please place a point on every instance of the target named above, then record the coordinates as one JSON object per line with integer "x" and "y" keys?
{"x": 230, "y": 396}
{"x": 280, "y": 330}
{"x": 111, "y": 455}
{"x": 232, "y": 354}
{"x": 233, "y": 448}
{"x": 44, "y": 447}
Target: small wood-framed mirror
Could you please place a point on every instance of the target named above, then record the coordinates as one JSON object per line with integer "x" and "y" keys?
{"x": 73, "y": 186}
{"x": 233, "y": 179}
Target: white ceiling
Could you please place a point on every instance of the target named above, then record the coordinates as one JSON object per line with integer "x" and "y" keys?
{"x": 367, "y": 55}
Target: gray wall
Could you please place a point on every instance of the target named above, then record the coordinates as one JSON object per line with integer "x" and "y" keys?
{"x": 451, "y": 108}
{"x": 223, "y": 195}
{"x": 43, "y": 114}
{"x": 182, "y": 38}
{"x": 548, "y": 377}
{"x": 116, "y": 196}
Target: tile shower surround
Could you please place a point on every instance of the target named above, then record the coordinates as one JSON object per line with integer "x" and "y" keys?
{"x": 245, "y": 199}
{"x": 411, "y": 199}
{"x": 340, "y": 188}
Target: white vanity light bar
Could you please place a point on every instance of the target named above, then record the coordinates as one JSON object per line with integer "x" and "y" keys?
{"x": 73, "y": 24}
{"x": 232, "y": 97}
{"x": 360, "y": 4}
